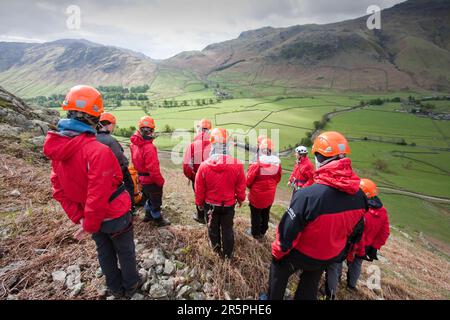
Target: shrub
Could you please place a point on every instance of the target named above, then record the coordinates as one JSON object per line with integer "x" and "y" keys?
{"x": 381, "y": 165}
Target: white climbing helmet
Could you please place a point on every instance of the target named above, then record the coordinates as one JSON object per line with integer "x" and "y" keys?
{"x": 301, "y": 150}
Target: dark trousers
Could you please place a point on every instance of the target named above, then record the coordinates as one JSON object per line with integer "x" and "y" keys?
{"x": 334, "y": 274}
{"x": 153, "y": 193}
{"x": 200, "y": 213}
{"x": 113, "y": 248}
{"x": 220, "y": 229}
{"x": 129, "y": 185}
{"x": 280, "y": 272}
{"x": 260, "y": 220}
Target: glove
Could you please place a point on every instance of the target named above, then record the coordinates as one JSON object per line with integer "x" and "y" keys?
{"x": 371, "y": 253}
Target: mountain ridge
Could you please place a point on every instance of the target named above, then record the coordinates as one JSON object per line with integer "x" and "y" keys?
{"x": 342, "y": 56}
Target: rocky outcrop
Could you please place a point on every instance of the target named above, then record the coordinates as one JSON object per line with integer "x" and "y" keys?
{"x": 20, "y": 122}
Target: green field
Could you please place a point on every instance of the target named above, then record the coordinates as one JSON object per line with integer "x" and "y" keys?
{"x": 396, "y": 149}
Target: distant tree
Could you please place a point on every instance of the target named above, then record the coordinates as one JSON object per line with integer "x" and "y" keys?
{"x": 376, "y": 102}
{"x": 168, "y": 129}
{"x": 381, "y": 165}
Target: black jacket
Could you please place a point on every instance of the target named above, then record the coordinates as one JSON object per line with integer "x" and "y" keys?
{"x": 114, "y": 145}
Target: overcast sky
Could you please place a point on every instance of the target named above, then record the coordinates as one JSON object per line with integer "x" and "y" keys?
{"x": 163, "y": 28}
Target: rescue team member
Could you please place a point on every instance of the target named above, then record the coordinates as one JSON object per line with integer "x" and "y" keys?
{"x": 219, "y": 184}
{"x": 258, "y": 142}
{"x": 303, "y": 174}
{"x": 321, "y": 223}
{"x": 197, "y": 152}
{"x": 144, "y": 156}
{"x": 87, "y": 182}
{"x": 105, "y": 129}
{"x": 376, "y": 232}
{"x": 262, "y": 179}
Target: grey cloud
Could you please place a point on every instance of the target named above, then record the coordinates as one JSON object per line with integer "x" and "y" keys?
{"x": 161, "y": 28}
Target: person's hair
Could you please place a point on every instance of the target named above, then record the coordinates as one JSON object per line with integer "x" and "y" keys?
{"x": 83, "y": 117}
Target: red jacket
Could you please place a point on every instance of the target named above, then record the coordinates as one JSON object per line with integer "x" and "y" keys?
{"x": 262, "y": 179}
{"x": 376, "y": 228}
{"x": 85, "y": 173}
{"x": 144, "y": 156}
{"x": 321, "y": 217}
{"x": 303, "y": 174}
{"x": 220, "y": 180}
{"x": 195, "y": 154}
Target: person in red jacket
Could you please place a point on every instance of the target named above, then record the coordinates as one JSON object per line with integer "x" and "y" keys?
{"x": 219, "y": 184}
{"x": 303, "y": 174}
{"x": 376, "y": 232}
{"x": 144, "y": 156}
{"x": 87, "y": 182}
{"x": 197, "y": 152}
{"x": 262, "y": 179}
{"x": 320, "y": 222}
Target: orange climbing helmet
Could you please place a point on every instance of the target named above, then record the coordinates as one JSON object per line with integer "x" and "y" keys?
{"x": 219, "y": 135}
{"x": 261, "y": 138}
{"x": 205, "y": 124}
{"x": 266, "y": 144}
{"x": 146, "y": 122}
{"x": 84, "y": 99}
{"x": 106, "y": 116}
{"x": 369, "y": 188}
{"x": 330, "y": 144}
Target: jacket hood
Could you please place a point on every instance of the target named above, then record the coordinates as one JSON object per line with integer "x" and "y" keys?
{"x": 340, "y": 175}
{"x": 74, "y": 125}
{"x": 60, "y": 147}
{"x": 218, "y": 162}
{"x": 138, "y": 140}
{"x": 265, "y": 160}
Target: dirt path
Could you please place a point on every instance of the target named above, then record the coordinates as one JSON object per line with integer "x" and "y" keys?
{"x": 415, "y": 195}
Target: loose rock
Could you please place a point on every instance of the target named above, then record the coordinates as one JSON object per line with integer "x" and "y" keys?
{"x": 137, "y": 296}
{"x": 157, "y": 292}
{"x": 59, "y": 276}
{"x": 185, "y": 290}
{"x": 169, "y": 267}
{"x": 197, "y": 296}
{"x": 15, "y": 193}
{"x": 73, "y": 278}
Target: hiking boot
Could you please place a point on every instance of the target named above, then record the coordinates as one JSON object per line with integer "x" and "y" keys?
{"x": 249, "y": 233}
{"x": 130, "y": 292}
{"x": 148, "y": 219}
{"x": 198, "y": 219}
{"x": 118, "y": 294}
{"x": 351, "y": 289}
{"x": 161, "y": 222}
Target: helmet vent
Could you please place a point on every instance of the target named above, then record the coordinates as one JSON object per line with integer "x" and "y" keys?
{"x": 80, "y": 103}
